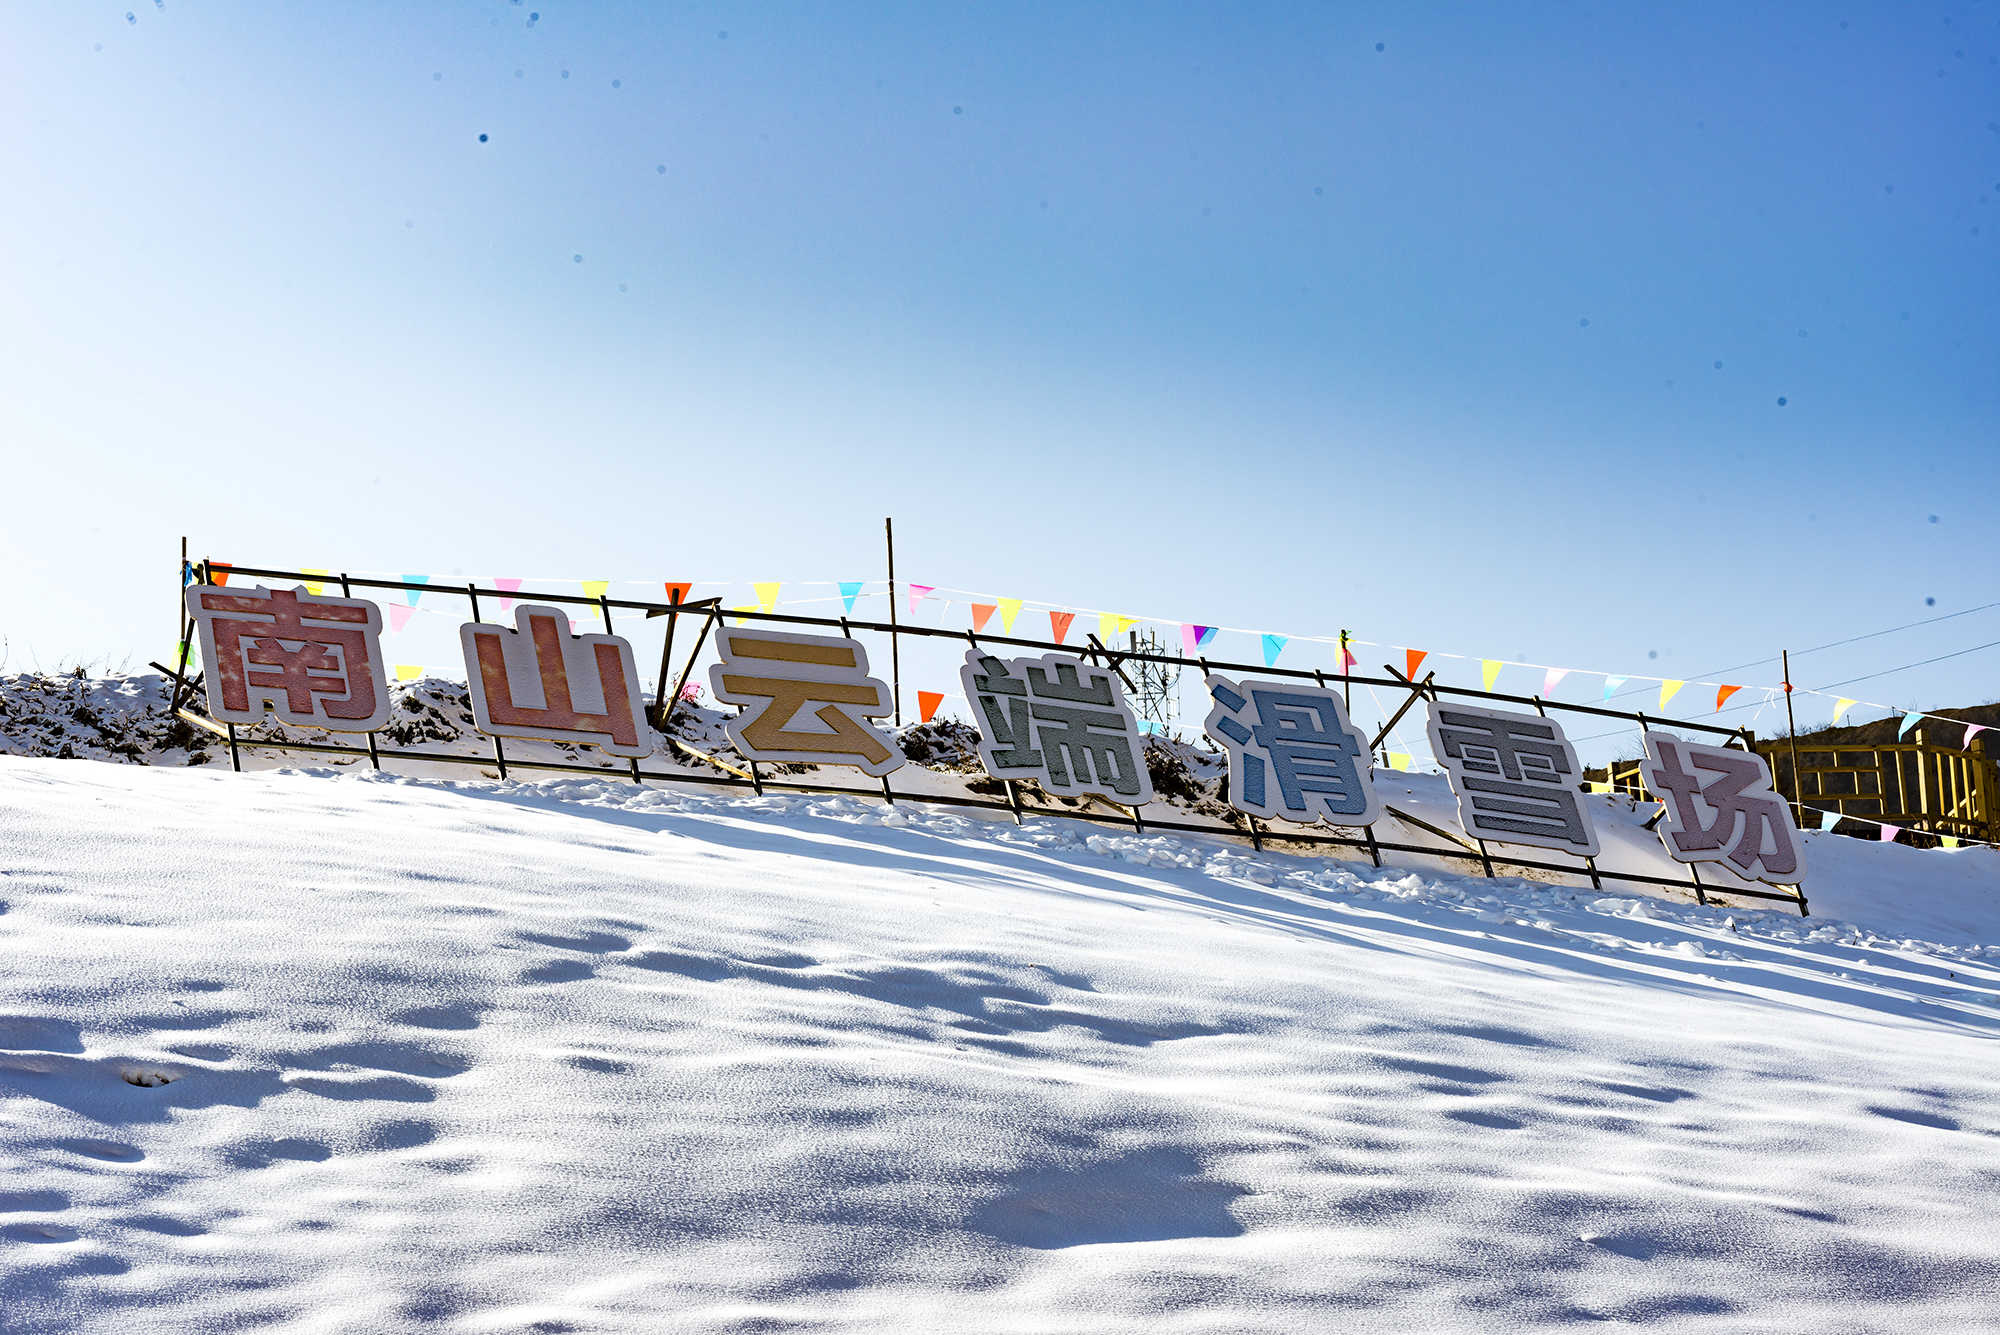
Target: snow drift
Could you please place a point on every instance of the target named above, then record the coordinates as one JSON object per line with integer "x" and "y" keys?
{"x": 330, "y": 1051}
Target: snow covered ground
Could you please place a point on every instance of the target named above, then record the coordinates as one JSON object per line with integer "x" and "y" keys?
{"x": 328, "y": 1051}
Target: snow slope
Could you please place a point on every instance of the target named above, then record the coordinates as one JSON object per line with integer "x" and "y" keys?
{"x": 580, "y": 1056}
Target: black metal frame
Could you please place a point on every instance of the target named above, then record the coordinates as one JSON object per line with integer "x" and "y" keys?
{"x": 711, "y": 611}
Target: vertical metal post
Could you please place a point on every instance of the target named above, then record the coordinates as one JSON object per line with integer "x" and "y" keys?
{"x": 235, "y": 760}
{"x": 1346, "y": 678}
{"x": 1694, "y": 870}
{"x": 1792, "y": 732}
{"x": 1256, "y": 839}
{"x": 755, "y": 781}
{"x": 895, "y": 644}
{"x": 374, "y": 757}
{"x": 662, "y": 707}
{"x": 1013, "y": 799}
{"x": 180, "y": 617}
{"x": 499, "y": 756}
{"x": 604, "y": 607}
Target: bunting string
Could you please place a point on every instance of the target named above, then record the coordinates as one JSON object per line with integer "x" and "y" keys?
{"x": 1196, "y": 638}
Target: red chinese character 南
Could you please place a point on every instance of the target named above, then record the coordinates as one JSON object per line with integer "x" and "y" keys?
{"x": 287, "y": 654}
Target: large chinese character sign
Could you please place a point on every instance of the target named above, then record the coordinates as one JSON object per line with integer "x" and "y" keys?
{"x": 1059, "y": 721}
{"x": 1293, "y": 754}
{"x": 538, "y": 680}
{"x": 806, "y": 699}
{"x": 314, "y": 662}
{"x": 1720, "y": 805}
{"x": 1515, "y": 775}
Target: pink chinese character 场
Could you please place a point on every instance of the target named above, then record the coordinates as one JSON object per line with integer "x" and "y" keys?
{"x": 1733, "y": 815}
{"x": 301, "y": 658}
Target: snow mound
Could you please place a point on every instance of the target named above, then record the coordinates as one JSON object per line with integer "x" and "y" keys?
{"x": 328, "y": 1050}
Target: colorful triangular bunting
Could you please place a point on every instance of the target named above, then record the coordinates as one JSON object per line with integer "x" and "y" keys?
{"x": 1273, "y": 646}
{"x": 981, "y": 614}
{"x": 927, "y": 704}
{"x": 1059, "y": 624}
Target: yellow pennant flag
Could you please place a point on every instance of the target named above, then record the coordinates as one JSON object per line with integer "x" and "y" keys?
{"x": 1594, "y": 787}
{"x": 1669, "y": 689}
{"x": 1949, "y": 841}
{"x": 1009, "y": 609}
{"x": 594, "y": 588}
{"x": 746, "y": 607}
{"x": 1398, "y": 760}
{"x": 1841, "y": 707}
{"x": 767, "y": 595}
{"x": 1110, "y": 626}
{"x": 409, "y": 671}
{"x": 315, "y": 586}
{"x": 1489, "y": 669}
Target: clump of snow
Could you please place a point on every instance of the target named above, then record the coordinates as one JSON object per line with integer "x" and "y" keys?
{"x": 75, "y": 716}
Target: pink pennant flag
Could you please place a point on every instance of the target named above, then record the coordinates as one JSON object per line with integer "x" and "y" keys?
{"x": 1970, "y": 729}
{"x": 1889, "y": 833}
{"x": 918, "y": 592}
{"x": 1347, "y": 659}
{"x": 1553, "y": 677}
{"x": 1190, "y": 637}
{"x": 399, "y": 617}
{"x": 510, "y": 586}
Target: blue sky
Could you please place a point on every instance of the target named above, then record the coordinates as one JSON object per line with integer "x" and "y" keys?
{"x": 1394, "y": 318}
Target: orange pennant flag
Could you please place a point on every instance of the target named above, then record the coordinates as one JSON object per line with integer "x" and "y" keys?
{"x": 1414, "y": 659}
{"x": 678, "y": 593}
{"x": 1723, "y": 694}
{"x": 982, "y": 613}
{"x": 1059, "y": 623}
{"x": 218, "y": 572}
{"x": 927, "y": 704}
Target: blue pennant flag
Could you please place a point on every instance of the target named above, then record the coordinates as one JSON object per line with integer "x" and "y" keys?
{"x": 849, "y": 592}
{"x": 414, "y": 594}
{"x": 1273, "y": 646}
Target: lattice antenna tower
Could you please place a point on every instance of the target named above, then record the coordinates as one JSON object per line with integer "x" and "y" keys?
{"x": 1157, "y": 698}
